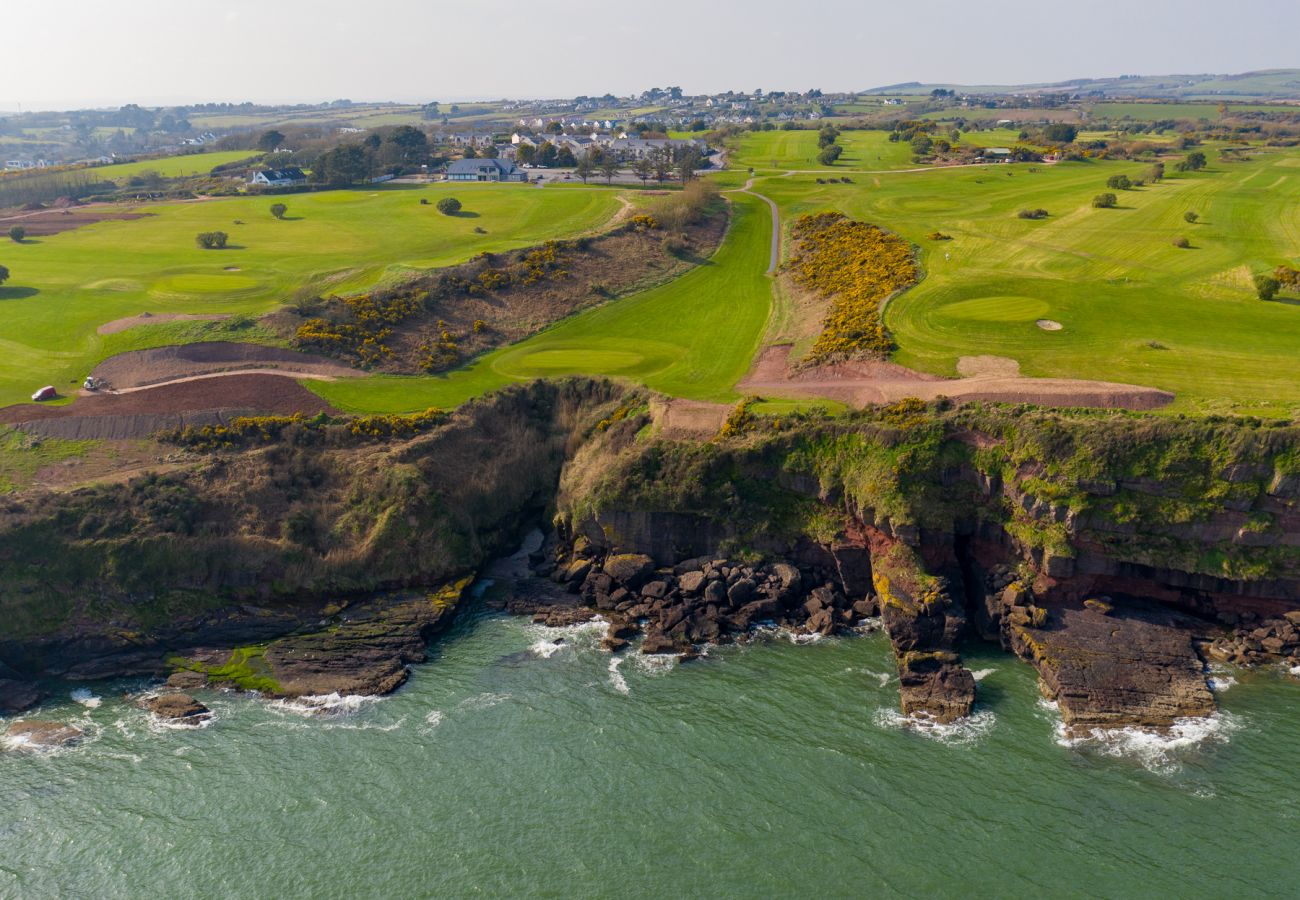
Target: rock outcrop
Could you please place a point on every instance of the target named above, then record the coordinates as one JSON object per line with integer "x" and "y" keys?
{"x": 36, "y": 734}
{"x": 179, "y": 708}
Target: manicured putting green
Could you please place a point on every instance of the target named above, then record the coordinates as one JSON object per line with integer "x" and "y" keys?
{"x": 999, "y": 309}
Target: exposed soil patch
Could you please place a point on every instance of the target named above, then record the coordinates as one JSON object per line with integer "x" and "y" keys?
{"x": 862, "y": 382}
{"x": 140, "y": 368}
{"x": 1049, "y": 325}
{"x": 44, "y": 222}
{"x": 148, "y": 318}
{"x": 204, "y": 401}
{"x": 680, "y": 419}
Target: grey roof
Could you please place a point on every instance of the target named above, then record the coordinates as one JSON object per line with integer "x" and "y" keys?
{"x": 474, "y": 166}
{"x": 293, "y": 173}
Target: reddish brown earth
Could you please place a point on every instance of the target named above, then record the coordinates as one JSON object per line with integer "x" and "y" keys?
{"x": 862, "y": 382}
{"x": 147, "y": 318}
{"x": 140, "y": 368}
{"x": 44, "y": 222}
{"x": 217, "y": 398}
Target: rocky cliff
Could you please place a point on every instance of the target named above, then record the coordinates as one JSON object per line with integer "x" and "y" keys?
{"x": 1115, "y": 552}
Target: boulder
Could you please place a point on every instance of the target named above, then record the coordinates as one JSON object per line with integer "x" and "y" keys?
{"x": 715, "y": 592}
{"x": 691, "y": 582}
{"x": 16, "y": 696}
{"x": 742, "y": 591}
{"x": 178, "y": 707}
{"x": 935, "y": 684}
{"x": 658, "y": 642}
{"x": 36, "y": 734}
{"x": 630, "y": 569}
{"x": 655, "y": 589}
{"x": 187, "y": 680}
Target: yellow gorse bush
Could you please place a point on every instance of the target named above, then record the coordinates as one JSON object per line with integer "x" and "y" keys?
{"x": 857, "y": 266}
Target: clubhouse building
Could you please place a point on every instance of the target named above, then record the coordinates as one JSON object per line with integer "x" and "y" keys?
{"x": 485, "y": 170}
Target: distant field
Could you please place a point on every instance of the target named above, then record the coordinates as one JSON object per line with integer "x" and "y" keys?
{"x": 1133, "y": 307}
{"x": 174, "y": 166}
{"x": 65, "y": 285}
{"x": 786, "y": 150}
{"x": 1151, "y": 112}
{"x": 694, "y": 337}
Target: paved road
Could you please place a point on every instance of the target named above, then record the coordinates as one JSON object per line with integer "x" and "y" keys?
{"x": 774, "y": 260}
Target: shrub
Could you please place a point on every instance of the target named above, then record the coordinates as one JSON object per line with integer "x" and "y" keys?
{"x": 857, "y": 266}
{"x": 1032, "y": 214}
{"x": 424, "y": 201}
{"x": 17, "y": 233}
{"x": 212, "y": 240}
{"x": 1266, "y": 287}
{"x": 829, "y": 155}
{"x": 449, "y": 206}
{"x": 1287, "y": 276}
{"x": 939, "y": 236}
{"x": 1182, "y": 243}
{"x": 1104, "y": 201}
{"x": 278, "y": 210}
{"x": 1190, "y": 217}
{"x": 4, "y": 274}
{"x": 1119, "y": 182}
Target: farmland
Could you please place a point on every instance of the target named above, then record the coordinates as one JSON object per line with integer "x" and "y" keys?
{"x": 65, "y": 285}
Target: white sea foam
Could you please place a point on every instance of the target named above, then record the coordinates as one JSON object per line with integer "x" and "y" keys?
{"x": 86, "y": 698}
{"x": 655, "y": 663}
{"x": 546, "y": 649}
{"x": 964, "y": 731}
{"x": 1220, "y": 682}
{"x": 1295, "y": 670}
{"x": 550, "y": 640}
{"x": 434, "y": 718}
{"x": 981, "y": 674}
{"x": 159, "y": 724}
{"x": 486, "y": 700}
{"x": 325, "y": 704}
{"x": 1159, "y": 750}
{"x": 796, "y": 637}
{"x": 615, "y": 676}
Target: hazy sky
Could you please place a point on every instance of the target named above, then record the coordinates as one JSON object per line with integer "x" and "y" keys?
{"x": 62, "y": 53}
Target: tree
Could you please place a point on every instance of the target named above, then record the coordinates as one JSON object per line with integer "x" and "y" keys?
{"x": 829, "y": 155}
{"x": 526, "y": 154}
{"x": 212, "y": 240}
{"x": 1195, "y": 160}
{"x": 547, "y": 155}
{"x": 491, "y": 152}
{"x": 278, "y": 210}
{"x": 17, "y": 233}
{"x": 470, "y": 153}
{"x": 1190, "y": 217}
{"x": 586, "y": 166}
{"x": 643, "y": 168}
{"x": 449, "y": 206}
{"x": 269, "y": 140}
{"x": 1104, "y": 201}
{"x": 1266, "y": 287}
{"x": 663, "y": 165}
{"x": 564, "y": 157}
{"x": 1119, "y": 182}
{"x": 408, "y": 145}
{"x": 344, "y": 165}
{"x": 687, "y": 165}
{"x": 921, "y": 144}
{"x": 4, "y": 274}
{"x": 1060, "y": 133}
{"x": 1156, "y": 173}
{"x": 608, "y": 167}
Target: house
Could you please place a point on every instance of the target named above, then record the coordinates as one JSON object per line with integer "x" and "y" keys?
{"x": 279, "y": 177}
{"x": 471, "y": 139}
{"x": 485, "y": 170}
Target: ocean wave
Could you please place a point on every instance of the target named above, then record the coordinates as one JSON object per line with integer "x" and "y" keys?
{"x": 552, "y": 639}
{"x": 655, "y": 663}
{"x": 434, "y": 718}
{"x": 981, "y": 674}
{"x": 86, "y": 698}
{"x": 962, "y": 732}
{"x": 1158, "y": 750}
{"x": 616, "y": 677}
{"x": 486, "y": 700}
{"x": 159, "y": 724}
{"x": 1220, "y": 682}
{"x": 325, "y": 704}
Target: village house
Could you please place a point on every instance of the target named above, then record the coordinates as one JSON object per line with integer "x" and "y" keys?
{"x": 471, "y": 139}
{"x": 485, "y": 170}
{"x": 278, "y": 177}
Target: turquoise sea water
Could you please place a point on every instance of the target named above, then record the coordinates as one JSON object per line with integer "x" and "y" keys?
{"x": 510, "y": 766}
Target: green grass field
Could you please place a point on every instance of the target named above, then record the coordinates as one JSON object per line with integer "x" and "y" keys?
{"x": 768, "y": 151}
{"x": 1134, "y": 307}
{"x": 173, "y": 166}
{"x": 694, "y": 337}
{"x": 65, "y": 285}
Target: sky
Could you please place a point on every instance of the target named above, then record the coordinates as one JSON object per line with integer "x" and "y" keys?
{"x": 61, "y": 54}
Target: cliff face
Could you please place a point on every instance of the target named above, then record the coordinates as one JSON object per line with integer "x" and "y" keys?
{"x": 1113, "y": 551}
{"x": 1109, "y": 550}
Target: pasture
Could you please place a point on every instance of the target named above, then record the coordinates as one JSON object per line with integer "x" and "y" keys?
{"x": 66, "y": 285}
{"x": 694, "y": 337}
{"x": 1133, "y": 307}
{"x": 173, "y": 166}
{"x": 768, "y": 151}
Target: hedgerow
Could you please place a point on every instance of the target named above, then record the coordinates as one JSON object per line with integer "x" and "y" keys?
{"x": 858, "y": 266}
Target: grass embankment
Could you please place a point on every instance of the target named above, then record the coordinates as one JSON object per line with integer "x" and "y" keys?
{"x": 1133, "y": 307}
{"x": 694, "y": 337}
{"x": 66, "y": 285}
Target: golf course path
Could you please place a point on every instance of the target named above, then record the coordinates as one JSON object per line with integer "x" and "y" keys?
{"x": 282, "y": 373}
{"x": 775, "y": 258}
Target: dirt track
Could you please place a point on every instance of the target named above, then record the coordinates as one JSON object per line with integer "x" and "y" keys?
{"x": 140, "y": 368}
{"x": 141, "y": 413}
{"x": 984, "y": 378}
{"x": 45, "y": 222}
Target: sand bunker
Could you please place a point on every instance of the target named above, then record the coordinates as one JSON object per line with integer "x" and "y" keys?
{"x": 1049, "y": 325}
